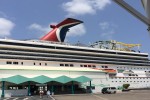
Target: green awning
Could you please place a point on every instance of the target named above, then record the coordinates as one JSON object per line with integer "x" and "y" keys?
{"x": 82, "y": 79}
{"x": 63, "y": 79}
{"x": 41, "y": 79}
{"x": 17, "y": 79}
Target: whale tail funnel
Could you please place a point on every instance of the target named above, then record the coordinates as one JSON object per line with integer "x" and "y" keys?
{"x": 58, "y": 32}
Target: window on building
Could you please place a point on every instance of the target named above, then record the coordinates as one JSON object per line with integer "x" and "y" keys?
{"x": 45, "y": 64}
{"x": 71, "y": 65}
{"x": 85, "y": 65}
{"x": 61, "y": 64}
{"x": 106, "y": 66}
{"x": 81, "y": 65}
{"x": 66, "y": 64}
{"x": 89, "y": 65}
{"x": 39, "y": 63}
{"x": 34, "y": 63}
{"x": 8, "y": 62}
{"x": 16, "y": 63}
{"x": 93, "y": 66}
{"x": 21, "y": 63}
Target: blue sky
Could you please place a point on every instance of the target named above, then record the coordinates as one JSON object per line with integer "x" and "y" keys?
{"x": 103, "y": 20}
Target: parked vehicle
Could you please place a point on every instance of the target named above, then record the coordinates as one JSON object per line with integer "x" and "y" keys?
{"x": 109, "y": 90}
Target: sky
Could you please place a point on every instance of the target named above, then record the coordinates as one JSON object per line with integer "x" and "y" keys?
{"x": 103, "y": 20}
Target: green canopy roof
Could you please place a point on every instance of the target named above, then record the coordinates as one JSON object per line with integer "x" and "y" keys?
{"x": 63, "y": 79}
{"x": 41, "y": 79}
{"x": 82, "y": 79}
{"x": 17, "y": 79}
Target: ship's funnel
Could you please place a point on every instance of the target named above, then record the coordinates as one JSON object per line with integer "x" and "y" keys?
{"x": 58, "y": 33}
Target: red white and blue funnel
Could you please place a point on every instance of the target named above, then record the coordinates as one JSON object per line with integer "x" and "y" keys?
{"x": 59, "y": 31}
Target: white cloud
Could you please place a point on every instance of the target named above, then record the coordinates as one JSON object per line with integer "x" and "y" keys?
{"x": 104, "y": 25}
{"x": 78, "y": 30}
{"x": 6, "y": 27}
{"x": 82, "y": 7}
{"x": 108, "y": 29}
{"x": 108, "y": 34}
{"x": 39, "y": 28}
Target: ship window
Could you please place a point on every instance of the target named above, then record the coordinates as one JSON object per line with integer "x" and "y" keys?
{"x": 66, "y": 64}
{"x": 45, "y": 64}
{"x": 71, "y": 65}
{"x": 85, "y": 65}
{"x": 39, "y": 63}
{"x": 106, "y": 66}
{"x": 33, "y": 63}
{"x": 89, "y": 65}
{"x": 93, "y": 66}
{"x": 61, "y": 64}
{"x": 15, "y": 63}
{"x": 81, "y": 65}
{"x": 102, "y": 66}
{"x": 9, "y": 62}
{"x": 21, "y": 63}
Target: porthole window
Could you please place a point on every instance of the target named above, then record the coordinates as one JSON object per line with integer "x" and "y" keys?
{"x": 66, "y": 64}
{"x": 15, "y": 63}
{"x": 8, "y": 62}
{"x": 93, "y": 66}
{"x": 61, "y": 64}
{"x": 45, "y": 64}
{"x": 71, "y": 65}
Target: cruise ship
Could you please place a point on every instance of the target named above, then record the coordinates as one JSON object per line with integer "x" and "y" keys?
{"x": 49, "y": 63}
